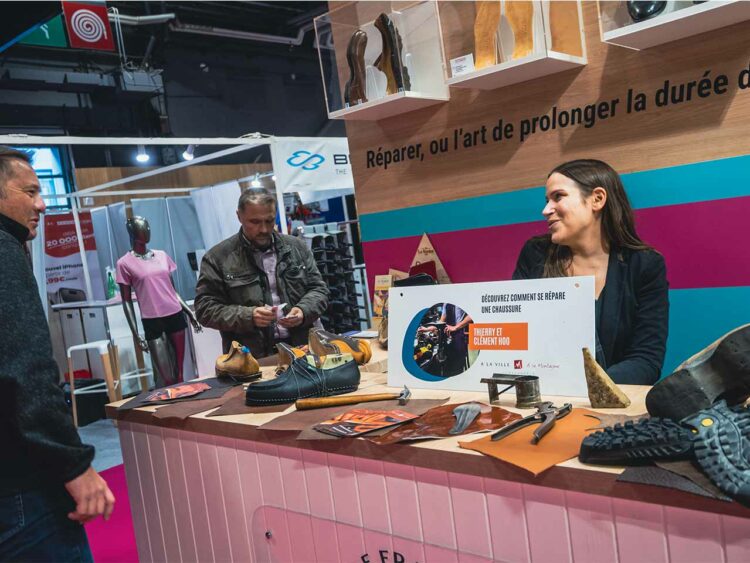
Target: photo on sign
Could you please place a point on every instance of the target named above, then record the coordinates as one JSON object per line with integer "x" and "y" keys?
{"x": 441, "y": 341}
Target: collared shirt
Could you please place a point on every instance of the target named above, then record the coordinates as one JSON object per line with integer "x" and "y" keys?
{"x": 266, "y": 260}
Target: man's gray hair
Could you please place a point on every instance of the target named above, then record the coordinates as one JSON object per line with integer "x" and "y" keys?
{"x": 256, "y": 197}
{"x": 7, "y": 156}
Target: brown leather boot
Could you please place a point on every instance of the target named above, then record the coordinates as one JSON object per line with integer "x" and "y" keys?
{"x": 238, "y": 364}
{"x": 389, "y": 60}
{"x": 520, "y": 14}
{"x": 323, "y": 343}
{"x": 485, "y": 33}
{"x": 354, "y": 91}
{"x": 287, "y": 354}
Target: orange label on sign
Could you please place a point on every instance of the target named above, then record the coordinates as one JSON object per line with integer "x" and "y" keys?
{"x": 499, "y": 336}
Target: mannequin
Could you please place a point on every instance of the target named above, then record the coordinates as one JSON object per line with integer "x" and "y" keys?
{"x": 162, "y": 309}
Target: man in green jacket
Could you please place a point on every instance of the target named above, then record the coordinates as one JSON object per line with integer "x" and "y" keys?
{"x": 48, "y": 488}
{"x": 260, "y": 287}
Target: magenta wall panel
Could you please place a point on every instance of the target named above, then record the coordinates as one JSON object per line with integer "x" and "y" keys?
{"x": 641, "y": 533}
{"x": 135, "y": 491}
{"x": 693, "y": 536}
{"x": 196, "y": 496}
{"x": 270, "y": 474}
{"x": 470, "y": 515}
{"x": 293, "y": 479}
{"x": 217, "y": 519}
{"x": 403, "y": 502}
{"x": 547, "y": 521}
{"x": 163, "y": 494}
{"x": 231, "y": 492}
{"x": 711, "y": 225}
{"x": 246, "y": 501}
{"x": 736, "y": 539}
{"x": 435, "y": 507}
{"x": 250, "y": 483}
{"x": 458, "y": 251}
{"x": 148, "y": 488}
{"x": 345, "y": 492}
{"x": 592, "y": 528}
{"x": 372, "y": 495}
{"x": 507, "y": 515}
{"x": 318, "y": 483}
{"x": 326, "y": 540}
{"x": 178, "y": 489}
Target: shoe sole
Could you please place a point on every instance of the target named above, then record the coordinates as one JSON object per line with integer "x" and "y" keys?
{"x": 240, "y": 378}
{"x": 261, "y": 402}
{"x": 722, "y": 371}
{"x": 635, "y": 443}
{"x": 721, "y": 448}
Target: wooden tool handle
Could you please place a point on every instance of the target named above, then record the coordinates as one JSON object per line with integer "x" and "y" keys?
{"x": 306, "y": 404}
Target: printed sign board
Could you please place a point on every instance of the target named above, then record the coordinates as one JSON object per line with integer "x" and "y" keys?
{"x": 88, "y": 26}
{"x": 63, "y": 264}
{"x": 452, "y": 336}
{"x": 317, "y": 164}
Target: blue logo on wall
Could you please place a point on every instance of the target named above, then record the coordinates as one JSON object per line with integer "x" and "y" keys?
{"x": 306, "y": 160}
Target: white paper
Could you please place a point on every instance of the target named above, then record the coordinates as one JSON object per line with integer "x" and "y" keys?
{"x": 462, "y": 65}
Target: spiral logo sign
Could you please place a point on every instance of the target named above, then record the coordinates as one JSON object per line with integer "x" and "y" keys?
{"x": 88, "y": 25}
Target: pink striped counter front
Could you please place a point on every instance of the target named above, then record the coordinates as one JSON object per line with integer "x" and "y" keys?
{"x": 211, "y": 490}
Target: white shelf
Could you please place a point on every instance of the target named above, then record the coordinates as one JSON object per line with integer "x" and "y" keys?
{"x": 388, "y": 106}
{"x": 520, "y": 70}
{"x": 685, "y": 22}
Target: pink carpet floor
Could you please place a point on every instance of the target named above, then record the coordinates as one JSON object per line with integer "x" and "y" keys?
{"x": 114, "y": 541}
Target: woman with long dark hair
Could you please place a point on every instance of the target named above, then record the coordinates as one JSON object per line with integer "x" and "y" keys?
{"x": 592, "y": 232}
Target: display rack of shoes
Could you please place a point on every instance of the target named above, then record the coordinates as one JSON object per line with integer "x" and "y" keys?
{"x": 641, "y": 25}
{"x": 380, "y": 59}
{"x": 493, "y": 43}
{"x": 347, "y": 306}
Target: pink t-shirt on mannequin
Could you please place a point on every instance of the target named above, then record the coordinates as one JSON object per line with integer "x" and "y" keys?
{"x": 151, "y": 282}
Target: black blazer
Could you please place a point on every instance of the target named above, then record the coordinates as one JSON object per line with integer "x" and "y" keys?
{"x": 634, "y": 309}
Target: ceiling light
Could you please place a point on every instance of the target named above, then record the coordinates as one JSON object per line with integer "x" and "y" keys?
{"x": 188, "y": 154}
{"x": 142, "y": 155}
{"x": 273, "y": 177}
{"x": 256, "y": 182}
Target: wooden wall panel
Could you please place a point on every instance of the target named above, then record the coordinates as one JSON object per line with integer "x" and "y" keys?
{"x": 189, "y": 177}
{"x": 702, "y": 129}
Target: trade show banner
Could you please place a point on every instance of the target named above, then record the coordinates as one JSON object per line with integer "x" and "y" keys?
{"x": 62, "y": 260}
{"x": 452, "y": 336}
{"x": 317, "y": 164}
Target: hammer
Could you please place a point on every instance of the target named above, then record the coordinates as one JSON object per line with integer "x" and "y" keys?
{"x": 306, "y": 404}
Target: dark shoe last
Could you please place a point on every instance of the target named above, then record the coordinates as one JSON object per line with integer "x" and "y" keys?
{"x": 636, "y": 443}
{"x": 722, "y": 443}
{"x": 302, "y": 381}
{"x": 721, "y": 372}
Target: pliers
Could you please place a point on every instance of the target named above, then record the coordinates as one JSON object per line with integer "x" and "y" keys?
{"x": 546, "y": 414}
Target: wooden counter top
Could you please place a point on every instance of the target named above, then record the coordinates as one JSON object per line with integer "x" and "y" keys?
{"x": 445, "y": 454}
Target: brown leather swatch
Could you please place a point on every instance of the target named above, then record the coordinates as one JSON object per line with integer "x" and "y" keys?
{"x": 414, "y": 406}
{"x": 561, "y": 443}
{"x": 437, "y": 422}
{"x": 607, "y": 420}
{"x": 184, "y": 409}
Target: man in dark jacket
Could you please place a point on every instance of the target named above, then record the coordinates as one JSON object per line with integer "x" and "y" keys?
{"x": 260, "y": 287}
{"x": 48, "y": 488}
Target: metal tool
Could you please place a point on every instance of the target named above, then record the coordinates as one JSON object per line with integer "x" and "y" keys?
{"x": 546, "y": 414}
{"x": 527, "y": 388}
{"x": 465, "y": 415}
{"x": 306, "y": 404}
